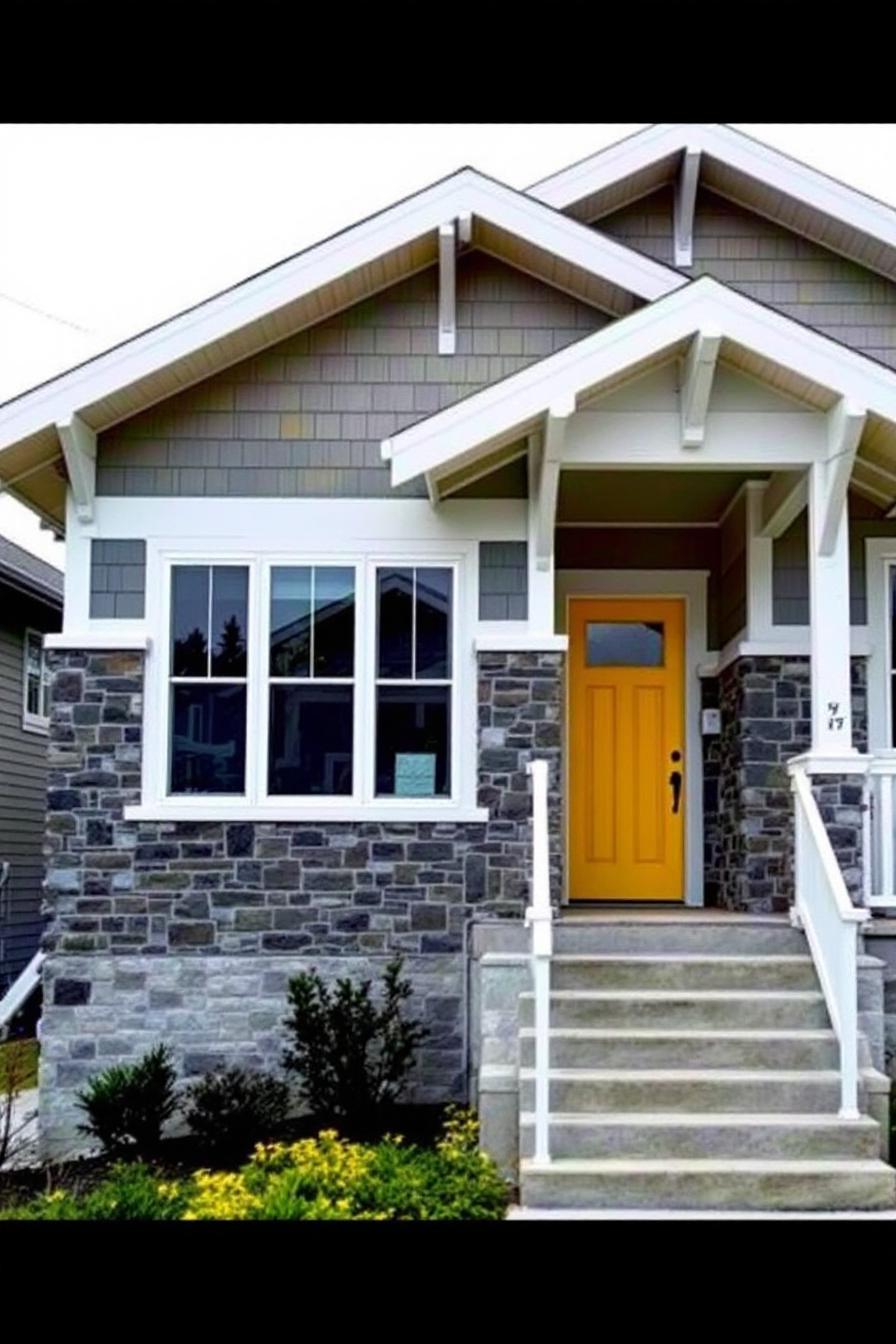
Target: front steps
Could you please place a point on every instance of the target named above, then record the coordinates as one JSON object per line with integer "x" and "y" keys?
{"x": 693, "y": 1066}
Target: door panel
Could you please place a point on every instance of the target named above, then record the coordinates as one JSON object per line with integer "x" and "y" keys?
{"x": 626, "y": 740}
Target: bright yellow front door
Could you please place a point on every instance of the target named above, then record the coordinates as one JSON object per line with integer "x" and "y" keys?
{"x": 626, "y": 749}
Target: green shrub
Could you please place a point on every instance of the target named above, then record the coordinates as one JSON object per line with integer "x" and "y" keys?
{"x": 230, "y": 1109}
{"x": 352, "y": 1056}
{"x": 133, "y": 1192}
{"x": 128, "y": 1105}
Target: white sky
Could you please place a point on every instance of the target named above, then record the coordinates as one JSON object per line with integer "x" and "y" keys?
{"x": 113, "y": 228}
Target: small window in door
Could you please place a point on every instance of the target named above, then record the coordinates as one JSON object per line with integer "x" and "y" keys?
{"x": 624, "y": 644}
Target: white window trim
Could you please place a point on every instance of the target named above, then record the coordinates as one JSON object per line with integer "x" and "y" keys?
{"x": 362, "y": 805}
{"x": 34, "y": 723}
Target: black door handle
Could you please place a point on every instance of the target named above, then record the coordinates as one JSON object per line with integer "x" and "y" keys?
{"x": 675, "y": 781}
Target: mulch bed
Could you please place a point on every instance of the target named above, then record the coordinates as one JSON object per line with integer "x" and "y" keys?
{"x": 179, "y": 1157}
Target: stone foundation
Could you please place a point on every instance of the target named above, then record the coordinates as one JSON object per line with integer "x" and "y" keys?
{"x": 187, "y": 931}
{"x": 766, "y": 720}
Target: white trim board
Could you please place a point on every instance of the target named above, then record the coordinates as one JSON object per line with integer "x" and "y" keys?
{"x": 689, "y": 584}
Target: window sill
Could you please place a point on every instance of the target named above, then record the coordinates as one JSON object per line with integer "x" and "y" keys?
{"x": 209, "y": 810}
{"x": 36, "y": 725}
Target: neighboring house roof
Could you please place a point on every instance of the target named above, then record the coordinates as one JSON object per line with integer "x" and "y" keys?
{"x": 733, "y": 165}
{"x": 306, "y": 289}
{"x": 20, "y": 569}
{"x": 795, "y": 359}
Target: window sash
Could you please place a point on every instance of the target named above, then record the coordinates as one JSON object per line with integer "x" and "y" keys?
{"x": 258, "y": 680}
{"x": 415, "y": 680}
{"x": 312, "y": 679}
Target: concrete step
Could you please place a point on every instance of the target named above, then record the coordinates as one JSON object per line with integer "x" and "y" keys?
{"x": 704, "y": 1134}
{"x": 650, "y": 1090}
{"x": 611, "y": 1048}
{"x": 708, "y": 1183}
{"x": 623, "y": 970}
{"x": 709, "y": 1009}
{"x": 695, "y": 932}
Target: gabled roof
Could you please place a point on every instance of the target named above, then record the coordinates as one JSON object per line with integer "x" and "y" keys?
{"x": 20, "y": 569}
{"x": 306, "y": 289}
{"x": 793, "y": 358}
{"x": 739, "y": 167}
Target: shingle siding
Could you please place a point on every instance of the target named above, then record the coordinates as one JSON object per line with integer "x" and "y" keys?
{"x": 790, "y": 570}
{"x": 23, "y": 789}
{"x": 306, "y": 417}
{"x": 503, "y": 581}
{"x": 768, "y": 263}
{"x": 117, "y": 579}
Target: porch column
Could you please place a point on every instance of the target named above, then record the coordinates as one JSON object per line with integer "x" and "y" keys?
{"x": 829, "y": 616}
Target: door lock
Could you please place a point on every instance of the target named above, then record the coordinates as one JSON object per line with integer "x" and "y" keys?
{"x": 675, "y": 780}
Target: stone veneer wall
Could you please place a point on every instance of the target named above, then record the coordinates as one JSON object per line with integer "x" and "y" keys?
{"x": 766, "y": 720}
{"x": 188, "y": 931}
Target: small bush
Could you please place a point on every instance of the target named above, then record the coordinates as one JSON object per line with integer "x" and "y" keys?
{"x": 352, "y": 1056}
{"x": 128, "y": 1105}
{"x": 230, "y": 1109}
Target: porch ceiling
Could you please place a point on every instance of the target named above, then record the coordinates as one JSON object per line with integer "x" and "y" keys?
{"x": 647, "y": 497}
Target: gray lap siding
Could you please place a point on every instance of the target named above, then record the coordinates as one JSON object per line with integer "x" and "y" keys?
{"x": 23, "y": 784}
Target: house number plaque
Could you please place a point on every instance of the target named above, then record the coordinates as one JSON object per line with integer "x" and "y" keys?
{"x": 835, "y": 718}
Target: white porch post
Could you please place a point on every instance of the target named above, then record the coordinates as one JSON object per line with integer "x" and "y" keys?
{"x": 829, "y": 617}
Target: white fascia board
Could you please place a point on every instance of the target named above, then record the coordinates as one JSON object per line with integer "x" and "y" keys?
{"x": 704, "y": 304}
{"x": 610, "y": 165}
{"x": 465, "y": 192}
{"x": 769, "y": 166}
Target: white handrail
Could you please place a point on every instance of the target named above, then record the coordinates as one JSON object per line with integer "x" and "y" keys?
{"x": 539, "y": 917}
{"x": 21, "y": 988}
{"x": 830, "y": 921}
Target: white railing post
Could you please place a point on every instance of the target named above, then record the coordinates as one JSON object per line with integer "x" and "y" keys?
{"x": 539, "y": 917}
{"x": 885, "y": 833}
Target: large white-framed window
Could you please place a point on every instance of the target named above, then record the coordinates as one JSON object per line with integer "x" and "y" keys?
{"x": 35, "y": 683}
{"x": 349, "y": 697}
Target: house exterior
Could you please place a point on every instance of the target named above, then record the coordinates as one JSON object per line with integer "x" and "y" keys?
{"x": 598, "y": 474}
{"x": 30, "y": 608}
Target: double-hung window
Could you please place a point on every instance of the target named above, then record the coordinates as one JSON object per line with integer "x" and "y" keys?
{"x": 36, "y": 684}
{"x": 293, "y": 683}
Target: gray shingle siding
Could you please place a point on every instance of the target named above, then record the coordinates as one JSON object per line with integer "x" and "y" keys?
{"x": 23, "y": 788}
{"x": 769, "y": 263}
{"x": 503, "y": 581}
{"x": 306, "y": 417}
{"x": 117, "y": 579}
{"x": 790, "y": 570}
